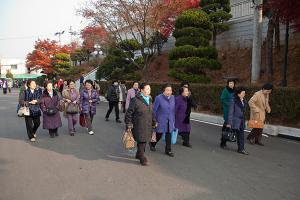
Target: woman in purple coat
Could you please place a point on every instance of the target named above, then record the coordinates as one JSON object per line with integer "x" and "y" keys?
{"x": 182, "y": 117}
{"x": 164, "y": 112}
{"x": 50, "y": 108}
{"x": 88, "y": 102}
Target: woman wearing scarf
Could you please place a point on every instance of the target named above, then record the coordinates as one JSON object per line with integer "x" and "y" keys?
{"x": 139, "y": 117}
{"x": 164, "y": 111}
{"x": 226, "y": 97}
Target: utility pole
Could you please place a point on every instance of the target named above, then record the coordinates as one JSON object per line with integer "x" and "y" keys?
{"x": 72, "y": 33}
{"x": 257, "y": 40}
{"x": 59, "y": 36}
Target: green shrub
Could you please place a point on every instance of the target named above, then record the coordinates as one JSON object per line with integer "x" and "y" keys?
{"x": 191, "y": 40}
{"x": 197, "y": 64}
{"x": 191, "y": 51}
{"x": 192, "y": 31}
{"x": 193, "y": 18}
{"x": 192, "y": 78}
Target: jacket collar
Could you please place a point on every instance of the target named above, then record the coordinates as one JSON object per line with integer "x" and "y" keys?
{"x": 46, "y": 93}
{"x": 139, "y": 97}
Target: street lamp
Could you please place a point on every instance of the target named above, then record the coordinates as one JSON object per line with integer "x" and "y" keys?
{"x": 97, "y": 48}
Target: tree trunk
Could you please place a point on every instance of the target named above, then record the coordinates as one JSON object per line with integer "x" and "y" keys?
{"x": 277, "y": 33}
{"x": 214, "y": 38}
{"x": 286, "y": 50}
{"x": 270, "y": 36}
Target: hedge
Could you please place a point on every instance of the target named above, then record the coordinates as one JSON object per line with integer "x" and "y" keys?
{"x": 191, "y": 40}
{"x": 193, "y": 18}
{"x": 192, "y": 31}
{"x": 196, "y": 64}
{"x": 284, "y": 102}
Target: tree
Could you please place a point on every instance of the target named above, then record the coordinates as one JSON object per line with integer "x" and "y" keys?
{"x": 192, "y": 54}
{"x": 9, "y": 74}
{"x": 94, "y": 35}
{"x": 126, "y": 19}
{"x": 219, "y": 13}
{"x": 41, "y": 56}
{"x": 288, "y": 12}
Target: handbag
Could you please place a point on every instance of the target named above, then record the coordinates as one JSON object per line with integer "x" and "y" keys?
{"x": 61, "y": 106}
{"x": 153, "y": 138}
{"x": 255, "y": 124}
{"x": 23, "y": 111}
{"x": 128, "y": 140}
{"x": 51, "y": 111}
{"x": 82, "y": 120}
{"x": 174, "y": 135}
{"x": 229, "y": 135}
{"x": 72, "y": 108}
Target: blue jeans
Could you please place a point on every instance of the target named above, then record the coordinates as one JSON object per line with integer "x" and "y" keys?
{"x": 240, "y": 139}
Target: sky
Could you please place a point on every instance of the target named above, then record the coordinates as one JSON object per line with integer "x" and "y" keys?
{"x": 22, "y": 22}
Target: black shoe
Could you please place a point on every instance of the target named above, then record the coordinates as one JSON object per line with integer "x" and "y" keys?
{"x": 243, "y": 152}
{"x": 106, "y": 119}
{"x": 118, "y": 121}
{"x": 56, "y": 134}
{"x": 152, "y": 148}
{"x": 170, "y": 154}
{"x": 187, "y": 145}
{"x": 144, "y": 161}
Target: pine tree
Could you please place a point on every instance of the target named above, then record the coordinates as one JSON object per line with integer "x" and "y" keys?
{"x": 219, "y": 13}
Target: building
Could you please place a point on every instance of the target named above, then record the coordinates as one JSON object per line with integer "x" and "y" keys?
{"x": 18, "y": 68}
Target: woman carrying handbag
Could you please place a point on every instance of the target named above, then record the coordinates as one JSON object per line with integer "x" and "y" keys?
{"x": 50, "y": 107}
{"x": 71, "y": 98}
{"x": 259, "y": 105}
{"x": 236, "y": 118}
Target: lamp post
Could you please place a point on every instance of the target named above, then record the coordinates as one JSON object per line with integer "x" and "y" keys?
{"x": 59, "y": 36}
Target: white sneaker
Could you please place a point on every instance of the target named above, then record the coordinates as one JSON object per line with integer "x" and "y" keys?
{"x": 34, "y": 135}
{"x": 32, "y": 140}
{"x": 91, "y": 132}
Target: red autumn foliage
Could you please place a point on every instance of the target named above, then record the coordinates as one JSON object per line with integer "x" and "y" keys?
{"x": 44, "y": 50}
{"x": 287, "y": 10}
{"x": 170, "y": 10}
{"x": 92, "y": 35}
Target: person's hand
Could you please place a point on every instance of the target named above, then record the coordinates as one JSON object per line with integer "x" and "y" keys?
{"x": 155, "y": 125}
{"x": 268, "y": 110}
{"x": 228, "y": 126}
{"x": 90, "y": 101}
{"x": 74, "y": 102}
{"x": 68, "y": 100}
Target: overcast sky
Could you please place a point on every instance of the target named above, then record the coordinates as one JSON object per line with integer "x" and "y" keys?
{"x": 22, "y": 22}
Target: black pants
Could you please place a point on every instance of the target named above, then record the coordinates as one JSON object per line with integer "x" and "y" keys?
{"x": 168, "y": 141}
{"x": 113, "y": 104}
{"x": 53, "y": 132}
{"x": 123, "y": 106}
{"x": 256, "y": 134}
{"x": 185, "y": 137}
{"x": 223, "y": 141}
{"x": 32, "y": 124}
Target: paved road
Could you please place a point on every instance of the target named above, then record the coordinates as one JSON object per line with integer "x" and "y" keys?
{"x": 96, "y": 167}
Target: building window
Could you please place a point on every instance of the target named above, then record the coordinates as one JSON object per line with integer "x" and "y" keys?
{"x": 14, "y": 67}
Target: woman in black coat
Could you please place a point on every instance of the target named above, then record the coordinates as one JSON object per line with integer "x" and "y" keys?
{"x": 139, "y": 117}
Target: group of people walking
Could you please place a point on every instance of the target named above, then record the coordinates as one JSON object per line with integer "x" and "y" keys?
{"x": 166, "y": 114}
{"x": 49, "y": 102}
{"x": 148, "y": 121}
{"x": 235, "y": 107}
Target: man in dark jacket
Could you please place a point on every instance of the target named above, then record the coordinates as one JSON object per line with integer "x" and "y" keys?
{"x": 113, "y": 96}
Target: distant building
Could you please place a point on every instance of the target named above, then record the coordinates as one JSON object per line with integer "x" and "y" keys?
{"x": 18, "y": 68}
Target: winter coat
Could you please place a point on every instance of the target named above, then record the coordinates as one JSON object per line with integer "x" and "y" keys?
{"x": 26, "y": 96}
{"x": 113, "y": 93}
{"x": 236, "y": 114}
{"x": 67, "y": 95}
{"x": 50, "y": 121}
{"x": 164, "y": 111}
{"x": 140, "y": 115}
{"x": 259, "y": 105}
{"x": 226, "y": 98}
{"x": 85, "y": 106}
{"x": 130, "y": 94}
{"x": 181, "y": 121}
